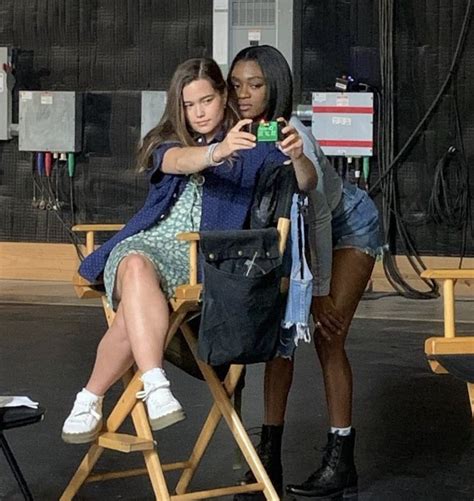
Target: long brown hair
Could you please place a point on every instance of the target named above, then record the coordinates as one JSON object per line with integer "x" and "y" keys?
{"x": 173, "y": 125}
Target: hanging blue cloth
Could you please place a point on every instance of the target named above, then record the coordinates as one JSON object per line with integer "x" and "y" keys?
{"x": 301, "y": 280}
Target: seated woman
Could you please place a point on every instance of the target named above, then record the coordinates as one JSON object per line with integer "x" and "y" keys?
{"x": 344, "y": 241}
{"x": 202, "y": 168}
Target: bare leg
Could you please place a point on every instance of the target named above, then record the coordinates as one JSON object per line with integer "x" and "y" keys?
{"x": 145, "y": 310}
{"x": 114, "y": 357}
{"x": 351, "y": 271}
{"x": 139, "y": 329}
{"x": 278, "y": 379}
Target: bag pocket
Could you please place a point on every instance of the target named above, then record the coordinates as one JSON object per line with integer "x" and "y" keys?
{"x": 242, "y": 304}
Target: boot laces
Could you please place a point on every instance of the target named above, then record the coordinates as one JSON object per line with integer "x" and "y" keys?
{"x": 264, "y": 450}
{"x": 330, "y": 458}
{"x": 330, "y": 455}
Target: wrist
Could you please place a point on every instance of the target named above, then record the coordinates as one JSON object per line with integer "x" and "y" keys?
{"x": 211, "y": 158}
{"x": 297, "y": 156}
{"x": 218, "y": 155}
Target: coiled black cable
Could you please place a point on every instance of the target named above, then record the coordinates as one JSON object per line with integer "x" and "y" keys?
{"x": 392, "y": 221}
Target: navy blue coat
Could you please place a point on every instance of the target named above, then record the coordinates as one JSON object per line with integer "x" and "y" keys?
{"x": 227, "y": 197}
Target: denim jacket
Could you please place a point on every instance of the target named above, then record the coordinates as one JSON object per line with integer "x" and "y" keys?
{"x": 301, "y": 280}
{"x": 227, "y": 197}
{"x": 323, "y": 200}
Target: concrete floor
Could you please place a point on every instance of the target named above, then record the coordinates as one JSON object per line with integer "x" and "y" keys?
{"x": 414, "y": 430}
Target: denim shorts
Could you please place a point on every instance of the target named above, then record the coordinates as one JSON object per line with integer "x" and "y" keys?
{"x": 355, "y": 225}
{"x": 355, "y": 222}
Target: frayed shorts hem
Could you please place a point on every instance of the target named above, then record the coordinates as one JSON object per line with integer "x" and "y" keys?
{"x": 370, "y": 251}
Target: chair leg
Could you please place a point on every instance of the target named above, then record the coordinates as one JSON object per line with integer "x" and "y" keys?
{"x": 239, "y": 457}
{"x": 207, "y": 431}
{"x": 126, "y": 402}
{"x": 238, "y": 431}
{"x": 470, "y": 392}
{"x": 15, "y": 468}
{"x": 232, "y": 419}
{"x": 152, "y": 460}
{"x": 82, "y": 472}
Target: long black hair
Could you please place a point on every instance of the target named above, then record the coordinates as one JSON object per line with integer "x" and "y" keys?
{"x": 278, "y": 79}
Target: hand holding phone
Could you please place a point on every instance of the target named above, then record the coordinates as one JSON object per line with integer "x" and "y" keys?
{"x": 268, "y": 131}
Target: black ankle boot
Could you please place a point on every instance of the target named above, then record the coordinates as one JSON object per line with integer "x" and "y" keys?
{"x": 337, "y": 477}
{"x": 269, "y": 452}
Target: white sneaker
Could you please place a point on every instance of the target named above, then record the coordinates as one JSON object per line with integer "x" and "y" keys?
{"x": 163, "y": 409}
{"x": 85, "y": 421}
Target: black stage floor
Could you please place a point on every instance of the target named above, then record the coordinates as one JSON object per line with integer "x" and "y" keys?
{"x": 414, "y": 429}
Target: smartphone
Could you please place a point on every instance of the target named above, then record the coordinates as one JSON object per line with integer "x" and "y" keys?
{"x": 268, "y": 131}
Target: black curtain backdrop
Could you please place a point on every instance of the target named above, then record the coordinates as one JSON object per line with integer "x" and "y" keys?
{"x": 342, "y": 36}
{"x": 110, "y": 51}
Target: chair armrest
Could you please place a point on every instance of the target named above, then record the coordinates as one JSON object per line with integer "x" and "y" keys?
{"x": 283, "y": 228}
{"x": 84, "y": 289}
{"x": 97, "y": 227}
{"x": 449, "y": 274}
{"x": 188, "y": 237}
{"x": 193, "y": 238}
{"x": 91, "y": 229}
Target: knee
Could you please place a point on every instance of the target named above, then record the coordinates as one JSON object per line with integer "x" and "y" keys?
{"x": 134, "y": 266}
{"x": 329, "y": 349}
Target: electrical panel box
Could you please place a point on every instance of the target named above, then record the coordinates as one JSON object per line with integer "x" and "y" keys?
{"x": 342, "y": 122}
{"x": 6, "y": 86}
{"x": 50, "y": 121}
{"x": 153, "y": 107}
{"x": 259, "y": 22}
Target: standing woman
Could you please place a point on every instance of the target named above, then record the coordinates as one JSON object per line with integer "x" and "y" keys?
{"x": 344, "y": 241}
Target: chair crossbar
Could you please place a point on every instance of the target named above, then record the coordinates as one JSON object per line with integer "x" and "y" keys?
{"x": 123, "y": 442}
{"x": 134, "y": 472}
{"x": 222, "y": 491}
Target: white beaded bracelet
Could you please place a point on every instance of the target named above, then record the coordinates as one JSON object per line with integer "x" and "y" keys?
{"x": 210, "y": 155}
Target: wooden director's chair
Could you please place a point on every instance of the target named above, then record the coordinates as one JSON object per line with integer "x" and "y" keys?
{"x": 452, "y": 354}
{"x": 184, "y": 305}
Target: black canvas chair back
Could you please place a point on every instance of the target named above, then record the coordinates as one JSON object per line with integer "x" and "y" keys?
{"x": 242, "y": 270}
{"x": 242, "y": 304}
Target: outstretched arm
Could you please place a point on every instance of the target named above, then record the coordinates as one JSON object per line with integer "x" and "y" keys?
{"x": 191, "y": 159}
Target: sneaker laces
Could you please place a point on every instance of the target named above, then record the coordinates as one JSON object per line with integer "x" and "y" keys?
{"x": 82, "y": 408}
{"x": 149, "y": 388}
